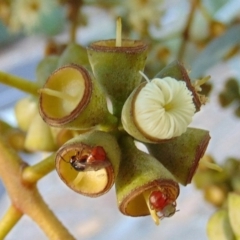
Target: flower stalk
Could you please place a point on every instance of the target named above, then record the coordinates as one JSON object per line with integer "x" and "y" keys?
{"x": 26, "y": 199}
{"x": 9, "y": 220}
{"x": 19, "y": 83}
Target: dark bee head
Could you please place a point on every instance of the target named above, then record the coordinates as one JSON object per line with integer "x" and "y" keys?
{"x": 78, "y": 164}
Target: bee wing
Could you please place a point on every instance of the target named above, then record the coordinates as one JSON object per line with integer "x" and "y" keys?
{"x": 96, "y": 165}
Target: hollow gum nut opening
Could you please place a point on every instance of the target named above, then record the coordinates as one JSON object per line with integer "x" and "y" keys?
{"x": 71, "y": 98}
{"x": 138, "y": 176}
{"x": 94, "y": 181}
{"x": 117, "y": 67}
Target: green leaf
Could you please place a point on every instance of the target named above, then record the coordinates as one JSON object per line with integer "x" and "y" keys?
{"x": 218, "y": 227}
{"x": 215, "y": 51}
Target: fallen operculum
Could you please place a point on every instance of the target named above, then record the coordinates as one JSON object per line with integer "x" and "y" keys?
{"x": 164, "y": 108}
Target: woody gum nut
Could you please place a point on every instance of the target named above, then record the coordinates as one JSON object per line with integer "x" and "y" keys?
{"x": 234, "y": 213}
{"x": 90, "y": 183}
{"x": 25, "y": 109}
{"x": 117, "y": 68}
{"x": 71, "y": 98}
{"x": 39, "y": 130}
{"x": 177, "y": 70}
{"x": 219, "y": 227}
{"x": 140, "y": 172}
{"x": 182, "y": 154}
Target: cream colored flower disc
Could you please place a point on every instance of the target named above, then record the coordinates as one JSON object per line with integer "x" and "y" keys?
{"x": 164, "y": 108}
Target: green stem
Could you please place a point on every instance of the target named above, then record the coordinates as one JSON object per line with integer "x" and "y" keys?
{"x": 185, "y": 33}
{"x": 9, "y": 220}
{"x": 32, "y": 174}
{"x": 38, "y": 210}
{"x": 119, "y": 32}
{"x": 204, "y": 162}
{"x": 58, "y": 94}
{"x": 74, "y": 7}
{"x": 110, "y": 123}
{"x": 26, "y": 198}
{"x": 19, "y": 83}
{"x": 117, "y": 107}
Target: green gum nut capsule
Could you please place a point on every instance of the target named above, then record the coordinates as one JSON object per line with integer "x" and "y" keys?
{"x": 182, "y": 154}
{"x": 177, "y": 70}
{"x": 72, "y": 98}
{"x": 139, "y": 175}
{"x": 89, "y": 163}
{"x": 74, "y": 53}
{"x": 218, "y": 226}
{"x": 117, "y": 67}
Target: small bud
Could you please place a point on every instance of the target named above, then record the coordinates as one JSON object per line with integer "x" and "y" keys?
{"x": 219, "y": 227}
{"x": 39, "y": 136}
{"x": 25, "y": 110}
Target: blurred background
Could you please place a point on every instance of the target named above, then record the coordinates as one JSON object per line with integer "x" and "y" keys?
{"x": 205, "y": 35}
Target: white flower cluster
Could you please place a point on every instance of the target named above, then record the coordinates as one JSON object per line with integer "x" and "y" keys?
{"x": 36, "y": 15}
{"x": 164, "y": 108}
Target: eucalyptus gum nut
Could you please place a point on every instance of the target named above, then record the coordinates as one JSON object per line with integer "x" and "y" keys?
{"x": 129, "y": 119}
{"x": 182, "y": 154}
{"x": 67, "y": 173}
{"x": 234, "y": 213}
{"x": 140, "y": 172}
{"x": 177, "y": 70}
{"x": 117, "y": 68}
{"x": 39, "y": 136}
{"x": 87, "y": 106}
{"x": 45, "y": 68}
{"x": 74, "y": 53}
{"x": 25, "y": 109}
{"x": 218, "y": 226}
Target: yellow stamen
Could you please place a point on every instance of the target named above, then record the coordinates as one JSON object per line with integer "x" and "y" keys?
{"x": 78, "y": 178}
{"x": 153, "y": 213}
{"x": 119, "y": 32}
{"x": 57, "y": 94}
{"x": 204, "y": 162}
{"x": 200, "y": 82}
{"x": 144, "y": 76}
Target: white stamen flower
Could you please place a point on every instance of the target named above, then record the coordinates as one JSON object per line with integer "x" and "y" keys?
{"x": 36, "y": 16}
{"x": 164, "y": 108}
